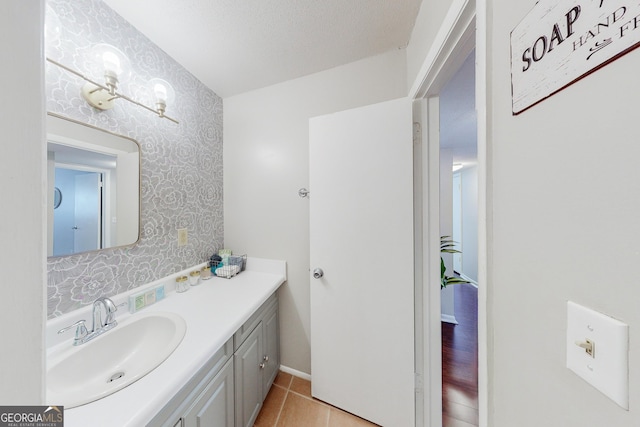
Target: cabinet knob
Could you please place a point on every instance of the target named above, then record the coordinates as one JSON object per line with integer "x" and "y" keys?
{"x": 266, "y": 359}
{"x": 262, "y": 365}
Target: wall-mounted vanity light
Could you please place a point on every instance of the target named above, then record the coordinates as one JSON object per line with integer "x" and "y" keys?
{"x": 108, "y": 64}
{"x": 114, "y": 66}
{"x": 163, "y": 93}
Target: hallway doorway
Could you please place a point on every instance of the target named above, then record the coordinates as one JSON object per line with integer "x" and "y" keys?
{"x": 458, "y": 212}
{"x": 455, "y": 41}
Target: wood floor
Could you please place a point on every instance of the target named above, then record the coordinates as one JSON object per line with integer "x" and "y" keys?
{"x": 460, "y": 361}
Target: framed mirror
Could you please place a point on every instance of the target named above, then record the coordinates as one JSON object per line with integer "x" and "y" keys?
{"x": 98, "y": 172}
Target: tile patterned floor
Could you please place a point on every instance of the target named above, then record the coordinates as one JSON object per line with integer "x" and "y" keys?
{"x": 289, "y": 404}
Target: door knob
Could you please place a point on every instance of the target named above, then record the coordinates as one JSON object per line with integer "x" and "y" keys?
{"x": 318, "y": 273}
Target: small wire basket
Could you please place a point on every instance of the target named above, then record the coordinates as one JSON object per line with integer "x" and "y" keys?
{"x": 235, "y": 266}
{"x": 239, "y": 260}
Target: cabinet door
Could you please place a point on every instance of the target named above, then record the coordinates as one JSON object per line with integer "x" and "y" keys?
{"x": 248, "y": 378}
{"x": 215, "y": 406}
{"x": 271, "y": 359}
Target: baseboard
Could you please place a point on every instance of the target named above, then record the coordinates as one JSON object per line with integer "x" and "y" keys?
{"x": 448, "y": 318}
{"x": 295, "y": 372}
{"x": 470, "y": 280}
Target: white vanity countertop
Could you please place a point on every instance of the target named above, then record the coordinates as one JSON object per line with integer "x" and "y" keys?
{"x": 213, "y": 311}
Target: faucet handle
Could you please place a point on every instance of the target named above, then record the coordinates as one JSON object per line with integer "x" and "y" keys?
{"x": 81, "y": 329}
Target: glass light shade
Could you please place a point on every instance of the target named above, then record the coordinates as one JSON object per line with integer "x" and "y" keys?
{"x": 111, "y": 63}
{"x": 162, "y": 91}
{"x": 106, "y": 61}
{"x": 52, "y": 33}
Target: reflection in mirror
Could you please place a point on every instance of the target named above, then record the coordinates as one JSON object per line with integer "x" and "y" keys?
{"x": 94, "y": 182}
{"x": 57, "y": 197}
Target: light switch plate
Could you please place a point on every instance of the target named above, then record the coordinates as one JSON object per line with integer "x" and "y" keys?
{"x": 182, "y": 236}
{"x": 608, "y": 368}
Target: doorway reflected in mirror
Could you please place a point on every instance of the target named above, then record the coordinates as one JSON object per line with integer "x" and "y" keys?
{"x": 99, "y": 174}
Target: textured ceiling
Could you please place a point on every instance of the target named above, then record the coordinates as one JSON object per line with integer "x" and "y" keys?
{"x": 234, "y": 46}
{"x": 458, "y": 119}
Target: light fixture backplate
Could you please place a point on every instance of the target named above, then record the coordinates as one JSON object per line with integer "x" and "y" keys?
{"x": 98, "y": 97}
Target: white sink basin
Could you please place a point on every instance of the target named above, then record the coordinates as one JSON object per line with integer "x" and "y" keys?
{"x": 112, "y": 361}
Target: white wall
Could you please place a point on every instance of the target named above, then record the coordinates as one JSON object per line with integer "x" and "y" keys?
{"x": 447, "y": 295}
{"x": 427, "y": 24}
{"x": 266, "y": 135}
{"x": 564, "y": 198}
{"x": 469, "y": 243}
{"x": 23, "y": 218}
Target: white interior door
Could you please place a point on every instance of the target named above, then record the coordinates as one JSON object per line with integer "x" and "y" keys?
{"x": 361, "y": 222}
{"x": 88, "y": 212}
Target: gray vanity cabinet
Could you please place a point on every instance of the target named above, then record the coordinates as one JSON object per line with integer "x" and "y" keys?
{"x": 208, "y": 396}
{"x": 215, "y": 406}
{"x": 248, "y": 377}
{"x": 271, "y": 358}
{"x": 256, "y": 363}
{"x": 229, "y": 389}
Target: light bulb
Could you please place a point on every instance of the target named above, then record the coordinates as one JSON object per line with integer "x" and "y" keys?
{"x": 111, "y": 63}
{"x": 163, "y": 94}
{"x": 107, "y": 63}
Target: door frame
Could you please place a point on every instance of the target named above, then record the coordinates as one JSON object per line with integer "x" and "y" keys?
{"x": 463, "y": 28}
{"x": 457, "y": 233}
{"x": 105, "y": 223}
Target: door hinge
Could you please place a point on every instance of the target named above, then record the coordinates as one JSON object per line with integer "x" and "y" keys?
{"x": 417, "y": 133}
{"x": 418, "y": 383}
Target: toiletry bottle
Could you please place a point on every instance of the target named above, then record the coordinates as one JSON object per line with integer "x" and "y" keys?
{"x": 182, "y": 284}
{"x": 205, "y": 273}
{"x": 194, "y": 277}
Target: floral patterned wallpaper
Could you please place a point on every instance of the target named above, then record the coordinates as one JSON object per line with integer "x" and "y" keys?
{"x": 181, "y": 177}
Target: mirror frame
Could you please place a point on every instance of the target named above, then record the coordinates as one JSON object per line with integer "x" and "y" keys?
{"x": 51, "y": 184}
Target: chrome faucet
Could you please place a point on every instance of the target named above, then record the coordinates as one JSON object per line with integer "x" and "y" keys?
{"x": 100, "y": 326}
{"x": 109, "y": 314}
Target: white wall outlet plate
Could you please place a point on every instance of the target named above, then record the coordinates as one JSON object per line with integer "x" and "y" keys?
{"x": 598, "y": 351}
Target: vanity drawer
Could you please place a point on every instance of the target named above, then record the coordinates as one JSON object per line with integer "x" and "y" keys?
{"x": 245, "y": 330}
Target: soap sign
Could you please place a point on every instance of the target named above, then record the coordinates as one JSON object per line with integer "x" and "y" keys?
{"x": 559, "y": 42}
